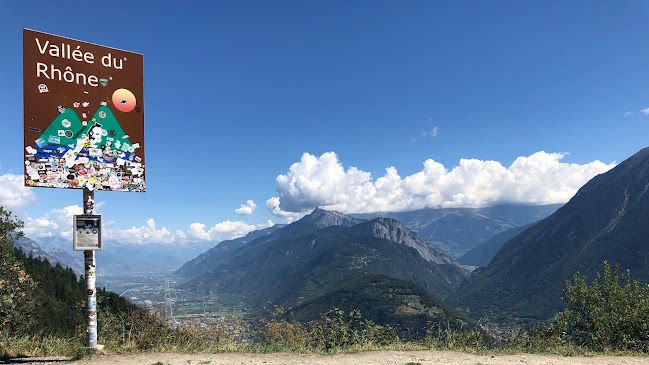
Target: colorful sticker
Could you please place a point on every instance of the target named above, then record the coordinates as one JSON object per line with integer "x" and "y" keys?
{"x": 124, "y": 100}
{"x": 101, "y": 149}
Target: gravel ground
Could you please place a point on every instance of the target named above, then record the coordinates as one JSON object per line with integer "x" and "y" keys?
{"x": 373, "y": 357}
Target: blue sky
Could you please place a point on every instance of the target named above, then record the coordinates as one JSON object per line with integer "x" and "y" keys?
{"x": 249, "y": 87}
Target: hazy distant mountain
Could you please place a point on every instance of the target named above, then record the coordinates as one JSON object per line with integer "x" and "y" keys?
{"x": 28, "y": 246}
{"x": 117, "y": 258}
{"x": 457, "y": 230}
{"x": 302, "y": 260}
{"x": 483, "y": 254}
{"x": 608, "y": 219}
{"x": 226, "y": 250}
{"x": 221, "y": 253}
{"x": 53, "y": 254}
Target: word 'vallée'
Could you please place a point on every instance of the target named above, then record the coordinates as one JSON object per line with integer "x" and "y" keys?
{"x": 66, "y": 51}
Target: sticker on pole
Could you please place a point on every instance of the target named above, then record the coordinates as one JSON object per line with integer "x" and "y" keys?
{"x": 87, "y": 232}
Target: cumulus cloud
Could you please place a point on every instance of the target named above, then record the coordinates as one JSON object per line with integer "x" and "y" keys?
{"x": 55, "y": 223}
{"x": 58, "y": 223}
{"x": 323, "y": 181}
{"x": 645, "y": 111}
{"x": 272, "y": 205}
{"x": 224, "y": 230}
{"x": 627, "y": 114}
{"x": 246, "y": 209}
{"x": 149, "y": 233}
{"x": 13, "y": 194}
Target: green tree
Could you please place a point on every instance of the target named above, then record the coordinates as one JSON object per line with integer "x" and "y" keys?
{"x": 610, "y": 314}
{"x": 16, "y": 286}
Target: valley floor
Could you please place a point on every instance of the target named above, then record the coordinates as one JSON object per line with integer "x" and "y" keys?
{"x": 374, "y": 357}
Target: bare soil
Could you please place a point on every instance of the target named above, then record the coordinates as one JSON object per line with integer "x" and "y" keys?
{"x": 374, "y": 357}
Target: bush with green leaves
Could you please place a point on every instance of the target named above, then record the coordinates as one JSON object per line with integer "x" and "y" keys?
{"x": 334, "y": 331}
{"x": 16, "y": 286}
{"x": 610, "y": 314}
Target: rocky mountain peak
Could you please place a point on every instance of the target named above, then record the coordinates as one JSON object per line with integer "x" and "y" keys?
{"x": 394, "y": 231}
{"x": 321, "y": 218}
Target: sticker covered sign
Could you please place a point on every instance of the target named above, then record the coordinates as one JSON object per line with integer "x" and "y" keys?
{"x": 84, "y": 115}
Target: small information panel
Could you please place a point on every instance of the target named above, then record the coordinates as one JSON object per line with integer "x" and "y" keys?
{"x": 87, "y": 232}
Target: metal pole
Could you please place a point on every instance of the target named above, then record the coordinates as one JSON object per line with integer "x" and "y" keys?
{"x": 91, "y": 265}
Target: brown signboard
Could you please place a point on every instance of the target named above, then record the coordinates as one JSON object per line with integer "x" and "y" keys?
{"x": 84, "y": 115}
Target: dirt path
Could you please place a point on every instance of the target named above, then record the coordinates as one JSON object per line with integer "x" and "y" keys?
{"x": 375, "y": 357}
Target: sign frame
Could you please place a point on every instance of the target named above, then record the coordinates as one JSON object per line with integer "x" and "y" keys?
{"x": 80, "y": 240}
{"x": 83, "y": 115}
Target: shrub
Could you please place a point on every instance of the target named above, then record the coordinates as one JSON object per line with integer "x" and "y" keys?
{"x": 334, "y": 331}
{"x": 610, "y": 314}
{"x": 16, "y": 286}
{"x": 278, "y": 332}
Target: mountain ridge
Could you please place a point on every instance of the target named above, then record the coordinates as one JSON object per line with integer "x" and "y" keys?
{"x": 303, "y": 261}
{"x": 605, "y": 220}
{"x": 458, "y": 230}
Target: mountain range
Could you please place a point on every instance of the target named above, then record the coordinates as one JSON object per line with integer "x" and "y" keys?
{"x": 458, "y": 230}
{"x": 483, "y": 254}
{"x": 525, "y": 254}
{"x": 54, "y": 255}
{"x": 307, "y": 262}
{"x": 117, "y": 258}
{"x": 299, "y": 261}
{"x": 606, "y": 220}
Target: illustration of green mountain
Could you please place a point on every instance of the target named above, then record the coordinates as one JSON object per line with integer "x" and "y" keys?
{"x": 111, "y": 131}
{"x": 62, "y": 130}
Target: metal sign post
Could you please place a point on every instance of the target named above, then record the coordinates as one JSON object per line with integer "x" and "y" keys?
{"x": 87, "y": 237}
{"x": 91, "y": 276}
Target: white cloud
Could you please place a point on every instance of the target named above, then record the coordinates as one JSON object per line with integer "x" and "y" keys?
{"x": 58, "y": 223}
{"x": 272, "y": 205}
{"x": 149, "y": 233}
{"x": 627, "y": 114}
{"x": 433, "y": 132}
{"x": 246, "y": 209}
{"x": 13, "y": 194}
{"x": 55, "y": 223}
{"x": 645, "y": 111}
{"x": 224, "y": 230}
{"x": 322, "y": 181}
